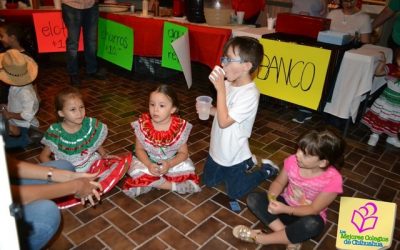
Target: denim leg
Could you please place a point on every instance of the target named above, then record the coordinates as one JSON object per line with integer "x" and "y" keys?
{"x": 89, "y": 25}
{"x": 212, "y": 173}
{"x": 59, "y": 164}
{"x": 40, "y": 221}
{"x": 239, "y": 183}
{"x": 73, "y": 20}
{"x": 298, "y": 229}
{"x": 258, "y": 203}
{"x": 20, "y": 141}
{"x": 304, "y": 228}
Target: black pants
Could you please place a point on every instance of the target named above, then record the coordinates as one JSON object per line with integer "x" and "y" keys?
{"x": 298, "y": 229}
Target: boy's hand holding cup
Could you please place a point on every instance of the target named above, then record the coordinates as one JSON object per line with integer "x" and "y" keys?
{"x": 217, "y": 77}
{"x": 216, "y": 73}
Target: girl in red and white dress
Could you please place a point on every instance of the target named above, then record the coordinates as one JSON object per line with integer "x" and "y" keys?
{"x": 162, "y": 158}
{"x": 384, "y": 115}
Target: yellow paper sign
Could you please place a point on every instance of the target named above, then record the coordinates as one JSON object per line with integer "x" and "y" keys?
{"x": 365, "y": 224}
{"x": 292, "y": 72}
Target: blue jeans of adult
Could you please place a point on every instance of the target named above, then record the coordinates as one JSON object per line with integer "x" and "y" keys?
{"x": 237, "y": 182}
{"x": 87, "y": 19}
{"x": 298, "y": 229}
{"x": 40, "y": 219}
{"x": 20, "y": 141}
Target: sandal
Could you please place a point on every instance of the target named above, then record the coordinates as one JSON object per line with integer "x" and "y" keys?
{"x": 294, "y": 247}
{"x": 243, "y": 233}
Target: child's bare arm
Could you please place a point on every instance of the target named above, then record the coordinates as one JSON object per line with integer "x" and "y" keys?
{"x": 380, "y": 68}
{"x": 141, "y": 154}
{"x": 102, "y": 151}
{"x": 12, "y": 115}
{"x": 45, "y": 154}
{"x": 14, "y": 130}
{"x": 278, "y": 184}
{"x": 224, "y": 120}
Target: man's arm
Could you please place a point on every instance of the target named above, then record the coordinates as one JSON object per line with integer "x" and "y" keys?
{"x": 385, "y": 14}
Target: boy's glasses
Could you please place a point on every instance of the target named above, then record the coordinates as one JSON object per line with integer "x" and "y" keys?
{"x": 226, "y": 60}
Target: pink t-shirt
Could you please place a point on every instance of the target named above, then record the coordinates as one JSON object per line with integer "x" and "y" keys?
{"x": 303, "y": 191}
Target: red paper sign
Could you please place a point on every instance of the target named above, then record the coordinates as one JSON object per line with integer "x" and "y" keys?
{"x": 51, "y": 32}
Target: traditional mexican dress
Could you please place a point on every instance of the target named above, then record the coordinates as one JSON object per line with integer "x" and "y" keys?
{"x": 79, "y": 148}
{"x": 384, "y": 114}
{"x": 160, "y": 145}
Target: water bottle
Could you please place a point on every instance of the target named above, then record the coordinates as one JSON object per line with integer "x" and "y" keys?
{"x": 195, "y": 11}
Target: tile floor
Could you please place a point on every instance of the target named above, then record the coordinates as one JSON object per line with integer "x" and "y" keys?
{"x": 165, "y": 220}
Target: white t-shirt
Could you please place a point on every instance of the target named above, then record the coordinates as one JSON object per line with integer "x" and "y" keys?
{"x": 359, "y": 22}
{"x": 230, "y": 146}
{"x": 23, "y": 100}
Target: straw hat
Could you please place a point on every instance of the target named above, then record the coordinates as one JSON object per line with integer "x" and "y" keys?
{"x": 16, "y": 68}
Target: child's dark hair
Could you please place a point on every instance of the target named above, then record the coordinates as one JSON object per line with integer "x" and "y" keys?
{"x": 326, "y": 144}
{"x": 249, "y": 48}
{"x": 22, "y": 33}
{"x": 62, "y": 97}
{"x": 171, "y": 93}
{"x": 14, "y": 29}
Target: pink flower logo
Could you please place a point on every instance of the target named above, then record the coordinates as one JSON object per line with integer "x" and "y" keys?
{"x": 364, "y": 218}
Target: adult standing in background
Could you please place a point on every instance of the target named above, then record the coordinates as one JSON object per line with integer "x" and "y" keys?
{"x": 251, "y": 8}
{"x": 388, "y": 12}
{"x": 350, "y": 19}
{"x": 83, "y": 14}
{"x": 318, "y": 8}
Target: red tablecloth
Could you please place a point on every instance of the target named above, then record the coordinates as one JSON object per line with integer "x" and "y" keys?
{"x": 206, "y": 43}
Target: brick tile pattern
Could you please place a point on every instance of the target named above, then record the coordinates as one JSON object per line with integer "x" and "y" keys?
{"x": 166, "y": 220}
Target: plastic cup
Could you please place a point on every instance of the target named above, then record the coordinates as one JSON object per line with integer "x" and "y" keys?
{"x": 270, "y": 23}
{"x": 203, "y": 106}
{"x": 57, "y": 4}
{"x": 240, "y": 16}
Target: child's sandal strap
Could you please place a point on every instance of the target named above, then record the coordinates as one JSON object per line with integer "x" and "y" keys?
{"x": 294, "y": 247}
{"x": 243, "y": 233}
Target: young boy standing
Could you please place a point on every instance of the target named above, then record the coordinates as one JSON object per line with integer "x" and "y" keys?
{"x": 234, "y": 115}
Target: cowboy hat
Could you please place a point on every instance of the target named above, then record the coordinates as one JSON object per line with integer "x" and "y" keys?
{"x": 16, "y": 68}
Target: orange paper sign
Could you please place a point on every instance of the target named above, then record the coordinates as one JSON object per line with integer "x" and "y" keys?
{"x": 51, "y": 32}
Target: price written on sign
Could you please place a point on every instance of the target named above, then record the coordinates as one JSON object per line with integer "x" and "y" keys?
{"x": 51, "y": 32}
{"x": 115, "y": 43}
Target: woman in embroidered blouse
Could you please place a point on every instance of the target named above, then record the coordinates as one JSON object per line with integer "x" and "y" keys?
{"x": 162, "y": 159}
{"x": 351, "y": 20}
{"x": 76, "y": 138}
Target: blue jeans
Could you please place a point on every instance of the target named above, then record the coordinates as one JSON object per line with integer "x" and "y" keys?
{"x": 87, "y": 19}
{"x": 20, "y": 141}
{"x": 298, "y": 229}
{"x": 237, "y": 182}
{"x": 40, "y": 222}
{"x": 41, "y": 218}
